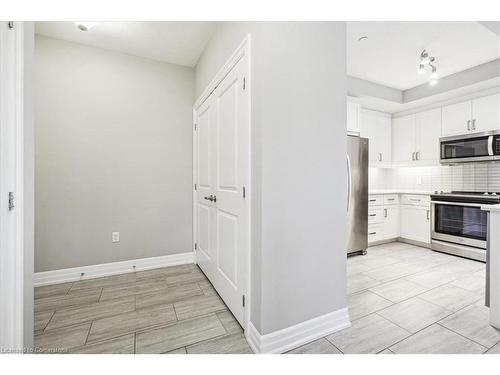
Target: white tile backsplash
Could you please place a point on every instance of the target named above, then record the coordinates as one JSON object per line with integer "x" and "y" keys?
{"x": 465, "y": 177}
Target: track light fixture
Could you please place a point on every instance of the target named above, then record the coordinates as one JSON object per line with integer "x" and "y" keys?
{"x": 428, "y": 62}
{"x": 85, "y": 26}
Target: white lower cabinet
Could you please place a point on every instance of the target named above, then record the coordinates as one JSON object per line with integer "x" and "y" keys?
{"x": 391, "y": 222}
{"x": 393, "y": 216}
{"x": 383, "y": 217}
{"x": 415, "y": 222}
{"x": 375, "y": 233}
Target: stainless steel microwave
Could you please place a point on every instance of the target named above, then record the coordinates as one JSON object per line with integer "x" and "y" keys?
{"x": 470, "y": 147}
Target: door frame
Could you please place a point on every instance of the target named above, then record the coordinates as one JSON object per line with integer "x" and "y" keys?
{"x": 242, "y": 50}
{"x": 12, "y": 164}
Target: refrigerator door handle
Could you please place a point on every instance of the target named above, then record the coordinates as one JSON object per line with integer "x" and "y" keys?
{"x": 349, "y": 183}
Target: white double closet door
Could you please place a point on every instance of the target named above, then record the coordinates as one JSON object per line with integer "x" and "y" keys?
{"x": 221, "y": 198}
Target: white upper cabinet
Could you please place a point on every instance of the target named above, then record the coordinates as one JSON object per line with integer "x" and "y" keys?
{"x": 352, "y": 116}
{"x": 472, "y": 116}
{"x": 415, "y": 138}
{"x": 457, "y": 118}
{"x": 486, "y": 113}
{"x": 376, "y": 126}
{"x": 403, "y": 138}
{"x": 428, "y": 131}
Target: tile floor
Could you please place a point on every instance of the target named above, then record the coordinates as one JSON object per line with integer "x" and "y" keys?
{"x": 408, "y": 299}
{"x": 402, "y": 299}
{"x": 168, "y": 310}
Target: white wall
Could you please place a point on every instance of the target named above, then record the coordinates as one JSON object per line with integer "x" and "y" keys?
{"x": 298, "y": 165}
{"x": 113, "y": 153}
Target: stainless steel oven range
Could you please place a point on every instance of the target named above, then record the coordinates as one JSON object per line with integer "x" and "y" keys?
{"x": 458, "y": 225}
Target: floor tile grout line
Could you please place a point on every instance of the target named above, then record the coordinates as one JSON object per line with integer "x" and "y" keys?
{"x": 403, "y": 261}
{"x": 396, "y": 324}
{"x": 148, "y": 328}
{"x": 335, "y": 346}
{"x": 201, "y": 341}
{"x": 138, "y": 330}
{"x": 100, "y": 295}
{"x": 414, "y": 296}
{"x": 436, "y": 322}
{"x": 145, "y": 328}
{"x": 390, "y": 321}
{"x": 460, "y": 334}
{"x": 71, "y": 287}
{"x": 50, "y": 319}
{"x": 103, "y": 341}
{"x": 88, "y": 333}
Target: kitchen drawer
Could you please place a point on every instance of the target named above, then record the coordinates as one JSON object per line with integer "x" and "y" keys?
{"x": 391, "y": 199}
{"x": 375, "y": 215}
{"x": 375, "y": 233}
{"x": 375, "y": 200}
{"x": 416, "y": 200}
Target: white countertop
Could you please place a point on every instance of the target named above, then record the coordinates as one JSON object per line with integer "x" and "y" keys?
{"x": 400, "y": 191}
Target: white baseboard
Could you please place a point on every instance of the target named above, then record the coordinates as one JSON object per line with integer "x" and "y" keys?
{"x": 108, "y": 269}
{"x": 292, "y": 337}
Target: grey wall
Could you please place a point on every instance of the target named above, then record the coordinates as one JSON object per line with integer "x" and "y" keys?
{"x": 298, "y": 165}
{"x": 113, "y": 153}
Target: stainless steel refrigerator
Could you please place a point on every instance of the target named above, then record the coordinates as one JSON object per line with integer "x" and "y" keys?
{"x": 357, "y": 199}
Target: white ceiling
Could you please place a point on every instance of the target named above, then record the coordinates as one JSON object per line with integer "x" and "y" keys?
{"x": 174, "y": 42}
{"x": 391, "y": 53}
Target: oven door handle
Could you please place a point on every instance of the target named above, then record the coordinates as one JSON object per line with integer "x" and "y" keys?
{"x": 490, "y": 145}
{"x": 478, "y": 205}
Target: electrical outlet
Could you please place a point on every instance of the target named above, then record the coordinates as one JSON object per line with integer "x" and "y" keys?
{"x": 419, "y": 180}
{"x": 115, "y": 237}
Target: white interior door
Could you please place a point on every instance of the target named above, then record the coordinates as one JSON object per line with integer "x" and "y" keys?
{"x": 205, "y": 184}
{"x": 222, "y": 173}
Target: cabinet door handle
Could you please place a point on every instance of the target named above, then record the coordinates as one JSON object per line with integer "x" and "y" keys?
{"x": 468, "y": 125}
{"x": 413, "y": 155}
{"x": 371, "y": 215}
{"x": 380, "y": 156}
{"x": 372, "y": 233}
{"x": 385, "y": 212}
{"x": 417, "y": 155}
{"x": 428, "y": 213}
{"x": 473, "y": 124}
